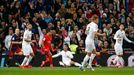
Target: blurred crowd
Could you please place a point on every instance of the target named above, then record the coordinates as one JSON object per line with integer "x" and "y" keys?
{"x": 69, "y": 19}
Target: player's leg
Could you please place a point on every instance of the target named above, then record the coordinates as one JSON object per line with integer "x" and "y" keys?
{"x": 10, "y": 57}
{"x": 90, "y": 62}
{"x": 30, "y": 55}
{"x": 119, "y": 65}
{"x": 116, "y": 59}
{"x": 92, "y": 57}
{"x": 45, "y": 61}
{"x": 18, "y": 53}
{"x": 86, "y": 58}
{"x": 29, "y": 60}
{"x": 61, "y": 63}
{"x": 24, "y": 62}
{"x": 50, "y": 59}
{"x": 75, "y": 63}
{"x": 119, "y": 52}
{"x": 88, "y": 50}
{"x": 26, "y": 54}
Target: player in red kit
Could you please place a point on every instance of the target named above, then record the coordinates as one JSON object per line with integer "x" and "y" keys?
{"x": 46, "y": 47}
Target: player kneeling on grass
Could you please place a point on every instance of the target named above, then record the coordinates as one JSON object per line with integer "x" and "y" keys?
{"x": 66, "y": 57}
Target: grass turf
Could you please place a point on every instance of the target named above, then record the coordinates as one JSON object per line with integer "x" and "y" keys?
{"x": 66, "y": 71}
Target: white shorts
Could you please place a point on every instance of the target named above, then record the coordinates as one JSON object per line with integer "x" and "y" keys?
{"x": 118, "y": 49}
{"x": 89, "y": 46}
{"x": 67, "y": 63}
{"x": 27, "y": 49}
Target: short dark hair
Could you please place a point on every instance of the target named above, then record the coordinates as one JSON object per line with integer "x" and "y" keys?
{"x": 49, "y": 29}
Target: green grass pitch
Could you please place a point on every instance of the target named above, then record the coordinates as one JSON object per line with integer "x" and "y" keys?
{"x": 66, "y": 71}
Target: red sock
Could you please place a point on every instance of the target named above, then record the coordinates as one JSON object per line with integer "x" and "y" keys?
{"x": 50, "y": 59}
{"x": 47, "y": 59}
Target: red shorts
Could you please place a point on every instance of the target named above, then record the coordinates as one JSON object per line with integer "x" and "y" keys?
{"x": 14, "y": 50}
{"x": 45, "y": 49}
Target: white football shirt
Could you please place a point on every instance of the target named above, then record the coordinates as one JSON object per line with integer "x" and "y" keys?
{"x": 91, "y": 28}
{"x": 119, "y": 36}
{"x": 27, "y": 35}
{"x": 66, "y": 56}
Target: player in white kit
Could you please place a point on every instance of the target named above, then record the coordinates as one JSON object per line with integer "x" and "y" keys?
{"x": 91, "y": 32}
{"x": 66, "y": 57}
{"x": 26, "y": 47}
{"x": 119, "y": 36}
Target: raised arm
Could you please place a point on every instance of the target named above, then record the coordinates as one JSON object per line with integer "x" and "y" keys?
{"x": 39, "y": 30}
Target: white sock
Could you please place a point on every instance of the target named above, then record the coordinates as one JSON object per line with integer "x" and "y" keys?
{"x": 24, "y": 61}
{"x": 61, "y": 63}
{"x": 91, "y": 59}
{"x": 120, "y": 61}
{"x": 116, "y": 59}
{"x": 86, "y": 58}
{"x": 29, "y": 59}
{"x": 77, "y": 64}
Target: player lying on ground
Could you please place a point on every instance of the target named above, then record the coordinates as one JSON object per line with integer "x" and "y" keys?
{"x": 119, "y": 36}
{"x": 66, "y": 57}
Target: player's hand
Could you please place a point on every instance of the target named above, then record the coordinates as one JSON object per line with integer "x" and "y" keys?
{"x": 104, "y": 34}
{"x": 37, "y": 24}
{"x": 20, "y": 42}
{"x": 33, "y": 40}
{"x": 132, "y": 42}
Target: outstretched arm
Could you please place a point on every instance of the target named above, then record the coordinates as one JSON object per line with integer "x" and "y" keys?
{"x": 56, "y": 55}
{"x": 126, "y": 38}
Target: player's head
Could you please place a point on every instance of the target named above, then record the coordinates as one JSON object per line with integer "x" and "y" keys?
{"x": 121, "y": 26}
{"x": 49, "y": 31}
{"x": 66, "y": 47}
{"x": 10, "y": 30}
{"x": 29, "y": 26}
{"x": 17, "y": 31}
{"x": 44, "y": 31}
{"x": 95, "y": 19}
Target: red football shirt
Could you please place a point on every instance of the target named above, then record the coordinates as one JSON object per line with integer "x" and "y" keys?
{"x": 47, "y": 42}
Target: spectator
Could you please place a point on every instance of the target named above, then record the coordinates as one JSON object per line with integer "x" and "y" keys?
{"x": 75, "y": 32}
{"x": 80, "y": 48}
{"x": 104, "y": 53}
{"x": 66, "y": 38}
{"x": 8, "y": 38}
{"x": 62, "y": 11}
{"x": 108, "y": 30}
